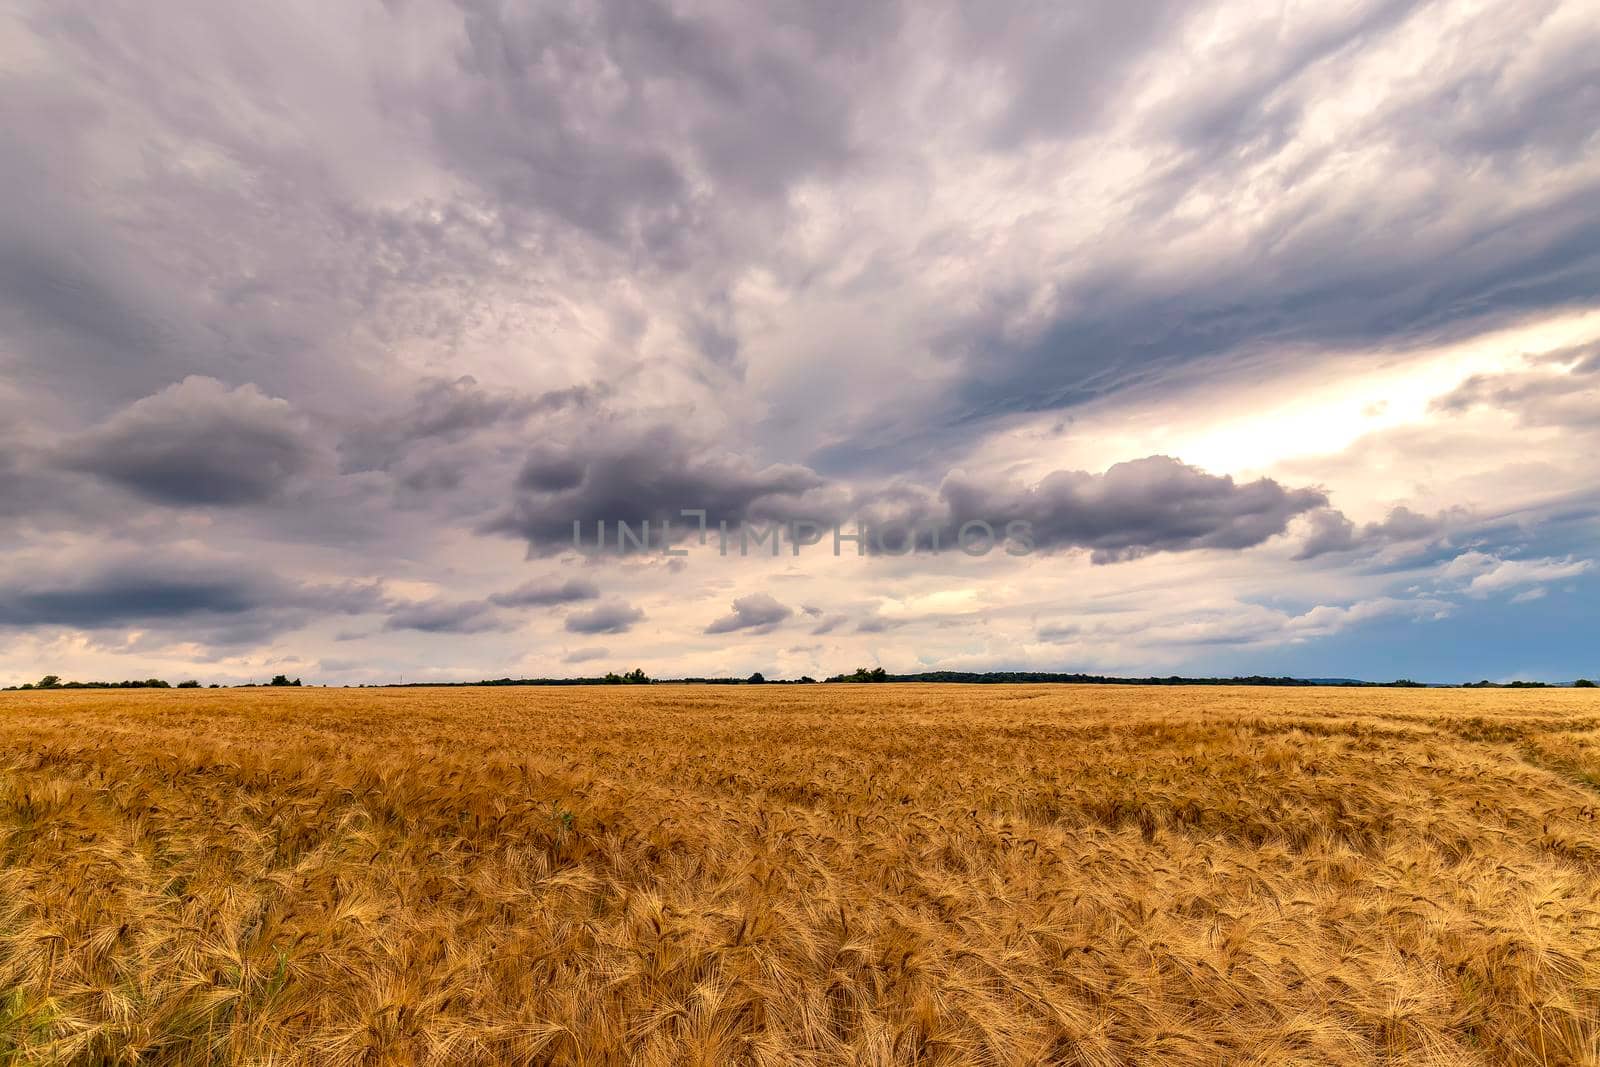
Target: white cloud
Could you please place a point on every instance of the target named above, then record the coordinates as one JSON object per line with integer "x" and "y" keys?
{"x": 1506, "y": 574}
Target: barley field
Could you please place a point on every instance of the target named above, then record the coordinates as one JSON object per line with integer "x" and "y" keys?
{"x": 800, "y": 875}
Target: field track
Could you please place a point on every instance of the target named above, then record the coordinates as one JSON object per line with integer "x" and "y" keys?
{"x": 831, "y": 874}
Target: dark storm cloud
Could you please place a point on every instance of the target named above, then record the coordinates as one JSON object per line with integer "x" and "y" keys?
{"x": 1133, "y": 509}
{"x": 759, "y": 613}
{"x": 448, "y": 617}
{"x": 113, "y": 599}
{"x": 1157, "y": 504}
{"x": 194, "y": 599}
{"x": 617, "y": 474}
{"x": 611, "y": 617}
{"x": 196, "y": 443}
{"x": 1148, "y": 505}
{"x": 545, "y": 593}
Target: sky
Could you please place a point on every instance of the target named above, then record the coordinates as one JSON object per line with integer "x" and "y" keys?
{"x": 1276, "y": 325}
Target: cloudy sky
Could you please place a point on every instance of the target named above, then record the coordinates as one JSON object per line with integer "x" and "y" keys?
{"x": 321, "y": 323}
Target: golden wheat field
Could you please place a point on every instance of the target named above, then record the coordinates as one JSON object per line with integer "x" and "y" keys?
{"x": 800, "y": 875}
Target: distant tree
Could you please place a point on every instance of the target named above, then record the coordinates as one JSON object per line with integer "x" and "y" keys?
{"x": 283, "y": 679}
{"x": 756, "y": 679}
{"x": 806, "y": 679}
{"x": 636, "y": 677}
{"x": 1583, "y": 683}
{"x": 190, "y": 684}
{"x": 49, "y": 681}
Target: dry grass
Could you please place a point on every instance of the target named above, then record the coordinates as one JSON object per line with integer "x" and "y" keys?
{"x": 857, "y": 874}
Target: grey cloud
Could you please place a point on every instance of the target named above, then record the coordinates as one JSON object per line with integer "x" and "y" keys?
{"x": 617, "y": 474}
{"x": 1329, "y": 287}
{"x": 202, "y": 599}
{"x": 434, "y": 476}
{"x": 443, "y": 412}
{"x": 1244, "y": 623}
{"x": 1504, "y": 110}
{"x": 114, "y": 282}
{"x": 1253, "y": 109}
{"x": 536, "y": 192}
{"x": 551, "y": 473}
{"x": 829, "y": 624}
{"x": 69, "y": 290}
{"x": 758, "y": 612}
{"x": 196, "y": 443}
{"x": 1148, "y": 505}
{"x": 544, "y": 593}
{"x": 638, "y": 124}
{"x": 1331, "y": 531}
{"x": 120, "y": 598}
{"x": 452, "y": 408}
{"x": 1561, "y": 388}
{"x": 448, "y": 617}
{"x": 1050, "y": 53}
{"x": 611, "y": 617}
{"x": 31, "y": 490}
{"x": 1494, "y": 222}
{"x": 585, "y": 655}
{"x": 1403, "y": 524}
{"x": 714, "y": 336}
